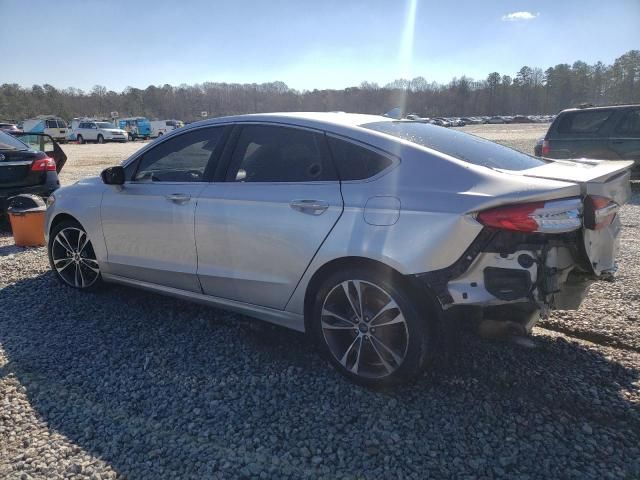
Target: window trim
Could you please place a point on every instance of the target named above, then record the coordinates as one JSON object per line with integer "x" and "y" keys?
{"x": 207, "y": 175}
{"x": 233, "y": 144}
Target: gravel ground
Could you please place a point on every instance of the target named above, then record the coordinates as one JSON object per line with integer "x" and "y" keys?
{"x": 128, "y": 384}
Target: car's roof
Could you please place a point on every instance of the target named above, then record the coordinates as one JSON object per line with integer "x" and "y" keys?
{"x": 600, "y": 107}
{"x": 319, "y": 119}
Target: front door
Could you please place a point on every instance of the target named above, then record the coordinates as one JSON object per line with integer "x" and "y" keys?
{"x": 257, "y": 232}
{"x": 148, "y": 223}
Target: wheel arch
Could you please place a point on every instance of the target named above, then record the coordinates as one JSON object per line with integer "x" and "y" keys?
{"x": 61, "y": 217}
{"x": 417, "y": 290}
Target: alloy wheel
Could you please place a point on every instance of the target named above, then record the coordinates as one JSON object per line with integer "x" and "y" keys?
{"x": 74, "y": 259}
{"x": 365, "y": 329}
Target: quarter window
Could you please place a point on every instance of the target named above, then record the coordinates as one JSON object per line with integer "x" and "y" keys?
{"x": 355, "y": 162}
{"x": 181, "y": 159}
{"x": 280, "y": 154}
{"x": 630, "y": 124}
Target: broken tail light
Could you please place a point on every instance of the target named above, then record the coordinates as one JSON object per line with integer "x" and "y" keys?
{"x": 599, "y": 212}
{"x": 554, "y": 216}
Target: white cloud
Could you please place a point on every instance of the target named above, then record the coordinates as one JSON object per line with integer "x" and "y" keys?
{"x": 517, "y": 16}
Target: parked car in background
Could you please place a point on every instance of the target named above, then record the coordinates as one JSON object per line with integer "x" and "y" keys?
{"x": 601, "y": 133}
{"x": 367, "y": 232}
{"x": 522, "y": 119}
{"x": 162, "y": 127}
{"x": 29, "y": 163}
{"x": 136, "y": 127}
{"x": 50, "y": 125}
{"x": 100, "y": 132}
{"x": 496, "y": 119}
{"x": 440, "y": 121}
{"x": 9, "y": 127}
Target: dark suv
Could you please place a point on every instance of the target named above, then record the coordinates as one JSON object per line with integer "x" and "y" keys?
{"x": 607, "y": 133}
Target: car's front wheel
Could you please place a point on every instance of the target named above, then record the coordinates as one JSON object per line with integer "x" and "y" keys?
{"x": 370, "y": 328}
{"x": 72, "y": 257}
{"x": 100, "y": 139}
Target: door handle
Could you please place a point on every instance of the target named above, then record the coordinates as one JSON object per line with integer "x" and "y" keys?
{"x": 312, "y": 207}
{"x": 178, "y": 197}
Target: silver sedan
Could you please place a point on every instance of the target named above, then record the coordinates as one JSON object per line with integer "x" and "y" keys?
{"x": 370, "y": 234}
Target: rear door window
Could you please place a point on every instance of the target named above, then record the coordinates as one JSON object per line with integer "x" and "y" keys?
{"x": 629, "y": 124}
{"x": 267, "y": 153}
{"x": 589, "y": 121}
{"x": 52, "y": 124}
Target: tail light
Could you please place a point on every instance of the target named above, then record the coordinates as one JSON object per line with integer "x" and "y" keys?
{"x": 45, "y": 164}
{"x": 555, "y": 216}
{"x": 546, "y": 148}
{"x": 599, "y": 212}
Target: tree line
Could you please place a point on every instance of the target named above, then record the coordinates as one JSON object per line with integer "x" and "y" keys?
{"x": 529, "y": 91}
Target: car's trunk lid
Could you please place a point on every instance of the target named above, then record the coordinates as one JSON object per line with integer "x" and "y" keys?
{"x": 597, "y": 178}
{"x": 15, "y": 168}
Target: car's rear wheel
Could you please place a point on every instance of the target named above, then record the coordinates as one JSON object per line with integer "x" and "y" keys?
{"x": 370, "y": 328}
{"x": 72, "y": 257}
{"x": 80, "y": 139}
{"x": 100, "y": 139}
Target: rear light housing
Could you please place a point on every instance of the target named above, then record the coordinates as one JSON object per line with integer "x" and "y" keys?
{"x": 554, "y": 216}
{"x": 45, "y": 164}
{"x": 599, "y": 212}
{"x": 546, "y": 148}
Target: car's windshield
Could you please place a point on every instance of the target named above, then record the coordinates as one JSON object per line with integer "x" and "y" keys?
{"x": 104, "y": 125}
{"x": 462, "y": 146}
{"x": 8, "y": 142}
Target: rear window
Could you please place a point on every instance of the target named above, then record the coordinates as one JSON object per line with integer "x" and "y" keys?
{"x": 462, "y": 146}
{"x": 9, "y": 142}
{"x": 590, "y": 121}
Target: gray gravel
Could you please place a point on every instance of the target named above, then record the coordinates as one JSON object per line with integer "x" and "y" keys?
{"x": 128, "y": 384}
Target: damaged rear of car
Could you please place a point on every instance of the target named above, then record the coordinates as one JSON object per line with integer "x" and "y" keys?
{"x": 547, "y": 229}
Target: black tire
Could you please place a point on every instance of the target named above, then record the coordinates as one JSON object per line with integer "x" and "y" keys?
{"x": 131, "y": 139}
{"x": 80, "y": 139}
{"x": 64, "y": 272}
{"x": 100, "y": 139}
{"x": 372, "y": 370}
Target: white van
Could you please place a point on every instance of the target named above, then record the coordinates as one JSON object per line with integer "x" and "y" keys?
{"x": 162, "y": 127}
{"x": 51, "y": 125}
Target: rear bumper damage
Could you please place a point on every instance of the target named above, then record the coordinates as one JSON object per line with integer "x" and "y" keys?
{"x": 513, "y": 276}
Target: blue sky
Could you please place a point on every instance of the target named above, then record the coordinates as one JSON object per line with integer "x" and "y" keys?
{"x": 306, "y": 44}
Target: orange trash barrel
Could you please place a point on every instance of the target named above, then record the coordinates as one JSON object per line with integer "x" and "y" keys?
{"x": 26, "y": 214}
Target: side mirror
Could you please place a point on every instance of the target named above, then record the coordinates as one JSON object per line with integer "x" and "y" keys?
{"x": 113, "y": 176}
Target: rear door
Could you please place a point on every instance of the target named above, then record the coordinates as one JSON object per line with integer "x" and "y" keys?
{"x": 624, "y": 141}
{"x": 258, "y": 231}
{"x": 46, "y": 144}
